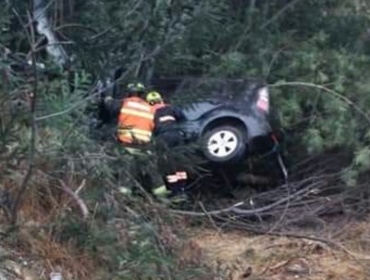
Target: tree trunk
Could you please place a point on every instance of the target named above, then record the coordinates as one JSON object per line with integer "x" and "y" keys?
{"x": 44, "y": 27}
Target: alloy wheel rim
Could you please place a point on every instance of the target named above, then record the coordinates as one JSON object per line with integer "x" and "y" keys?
{"x": 222, "y": 143}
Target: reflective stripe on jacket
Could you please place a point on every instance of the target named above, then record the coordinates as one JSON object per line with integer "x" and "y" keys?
{"x": 136, "y": 121}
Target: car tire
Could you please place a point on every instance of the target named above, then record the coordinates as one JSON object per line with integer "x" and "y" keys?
{"x": 223, "y": 144}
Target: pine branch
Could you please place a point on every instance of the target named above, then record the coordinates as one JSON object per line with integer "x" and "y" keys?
{"x": 328, "y": 90}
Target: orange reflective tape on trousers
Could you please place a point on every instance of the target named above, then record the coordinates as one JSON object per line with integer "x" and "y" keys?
{"x": 172, "y": 178}
{"x": 182, "y": 175}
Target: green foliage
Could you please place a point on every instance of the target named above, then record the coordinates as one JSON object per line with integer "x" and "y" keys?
{"x": 362, "y": 159}
{"x": 65, "y": 152}
{"x": 313, "y": 42}
{"x": 132, "y": 246}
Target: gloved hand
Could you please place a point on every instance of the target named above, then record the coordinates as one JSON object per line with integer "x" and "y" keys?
{"x": 108, "y": 99}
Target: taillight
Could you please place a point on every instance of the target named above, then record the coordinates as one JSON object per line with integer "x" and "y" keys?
{"x": 263, "y": 101}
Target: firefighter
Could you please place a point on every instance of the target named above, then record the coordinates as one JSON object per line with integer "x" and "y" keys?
{"x": 167, "y": 134}
{"x": 136, "y": 117}
{"x": 134, "y": 131}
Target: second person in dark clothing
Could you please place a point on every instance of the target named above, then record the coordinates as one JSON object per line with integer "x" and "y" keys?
{"x": 165, "y": 119}
{"x": 167, "y": 135}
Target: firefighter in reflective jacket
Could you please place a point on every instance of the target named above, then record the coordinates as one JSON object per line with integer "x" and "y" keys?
{"x": 135, "y": 127}
{"x": 136, "y": 117}
{"x": 166, "y": 133}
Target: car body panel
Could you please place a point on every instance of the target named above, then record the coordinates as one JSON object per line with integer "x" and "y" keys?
{"x": 199, "y": 115}
{"x": 226, "y": 101}
{"x": 219, "y": 100}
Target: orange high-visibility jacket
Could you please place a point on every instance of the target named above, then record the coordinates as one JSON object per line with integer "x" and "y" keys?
{"x": 136, "y": 121}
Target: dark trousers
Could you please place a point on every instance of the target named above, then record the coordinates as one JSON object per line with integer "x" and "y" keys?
{"x": 169, "y": 139}
{"x": 174, "y": 175}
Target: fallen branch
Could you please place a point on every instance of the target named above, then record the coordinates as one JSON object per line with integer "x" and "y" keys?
{"x": 80, "y": 203}
{"x": 250, "y": 212}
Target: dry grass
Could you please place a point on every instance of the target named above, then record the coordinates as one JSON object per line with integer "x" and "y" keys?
{"x": 237, "y": 255}
{"x": 233, "y": 255}
{"x": 42, "y": 207}
{"x": 39, "y": 220}
{"x": 52, "y": 255}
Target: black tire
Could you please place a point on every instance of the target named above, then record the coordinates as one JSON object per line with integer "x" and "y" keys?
{"x": 233, "y": 135}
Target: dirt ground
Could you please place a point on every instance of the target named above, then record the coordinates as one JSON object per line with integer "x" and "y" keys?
{"x": 239, "y": 255}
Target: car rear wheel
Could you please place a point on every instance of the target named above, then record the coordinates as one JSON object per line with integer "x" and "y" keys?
{"x": 224, "y": 143}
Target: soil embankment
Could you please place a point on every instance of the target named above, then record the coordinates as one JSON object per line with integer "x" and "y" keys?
{"x": 238, "y": 255}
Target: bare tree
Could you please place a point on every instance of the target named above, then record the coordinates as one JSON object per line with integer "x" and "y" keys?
{"x": 44, "y": 27}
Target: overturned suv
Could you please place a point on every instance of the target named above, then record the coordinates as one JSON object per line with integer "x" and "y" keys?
{"x": 231, "y": 118}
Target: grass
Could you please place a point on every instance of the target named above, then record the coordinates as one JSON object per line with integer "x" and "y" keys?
{"x": 112, "y": 244}
{"x": 232, "y": 254}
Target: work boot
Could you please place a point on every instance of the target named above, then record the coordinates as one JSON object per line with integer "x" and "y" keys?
{"x": 161, "y": 191}
{"x": 125, "y": 190}
{"x": 178, "y": 195}
{"x": 168, "y": 197}
{"x": 178, "y": 198}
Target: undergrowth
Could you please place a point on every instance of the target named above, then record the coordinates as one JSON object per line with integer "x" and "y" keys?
{"x": 123, "y": 238}
{"x": 71, "y": 215}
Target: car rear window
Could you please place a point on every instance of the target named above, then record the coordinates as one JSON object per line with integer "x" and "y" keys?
{"x": 214, "y": 89}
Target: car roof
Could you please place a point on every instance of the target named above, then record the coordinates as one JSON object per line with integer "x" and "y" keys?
{"x": 207, "y": 88}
